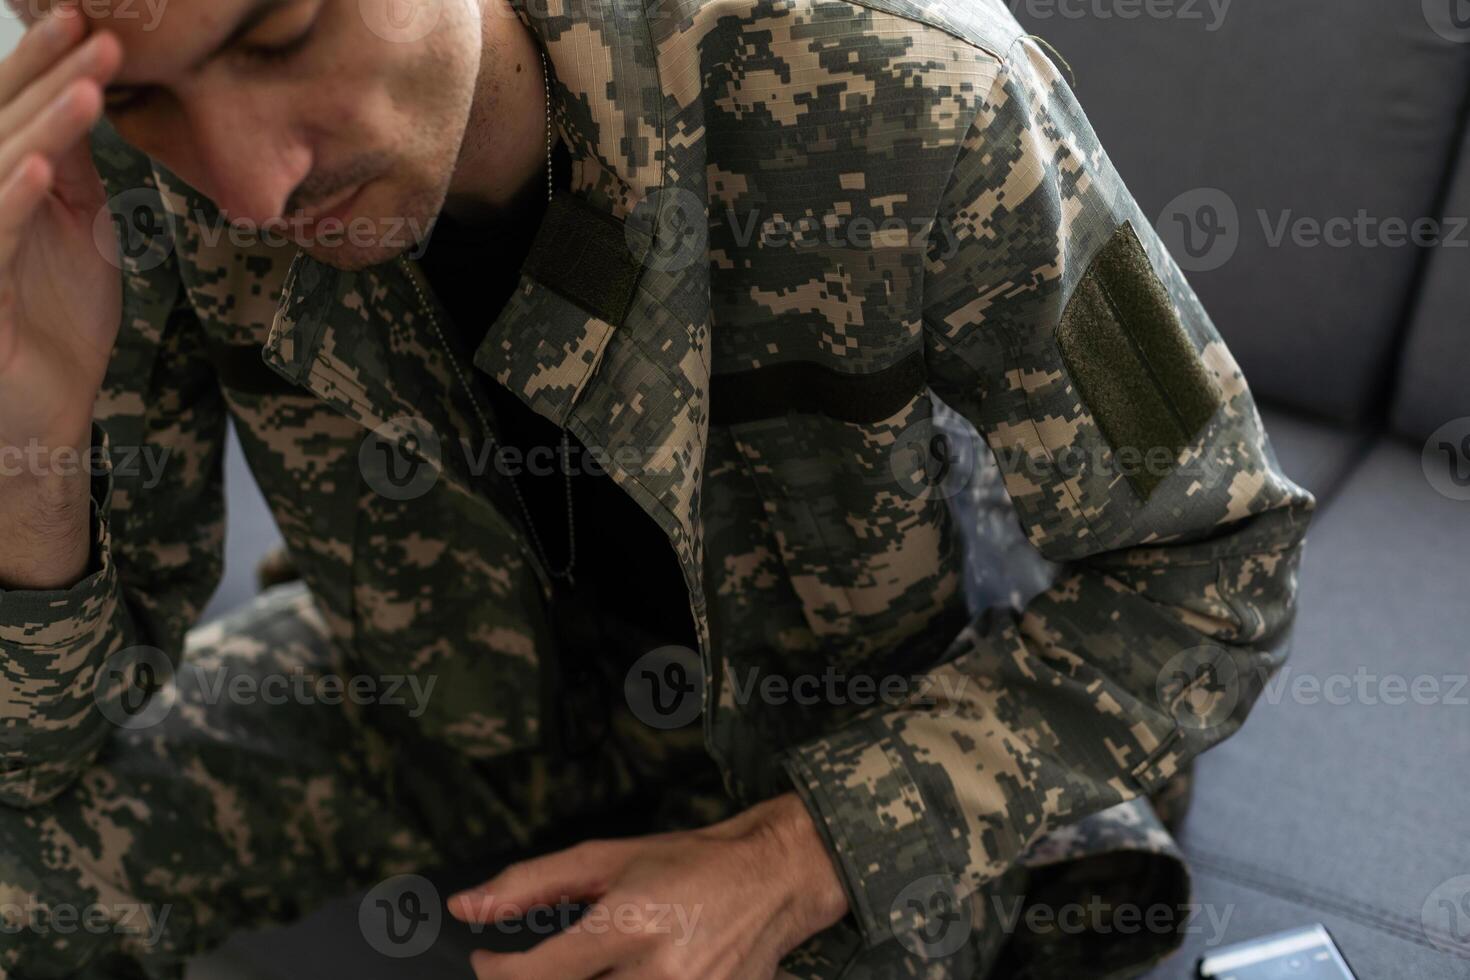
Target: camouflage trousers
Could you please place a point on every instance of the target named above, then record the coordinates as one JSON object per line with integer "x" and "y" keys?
{"x": 232, "y": 812}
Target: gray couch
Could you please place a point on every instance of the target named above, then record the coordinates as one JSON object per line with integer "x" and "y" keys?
{"x": 1346, "y": 810}
{"x": 1343, "y": 806}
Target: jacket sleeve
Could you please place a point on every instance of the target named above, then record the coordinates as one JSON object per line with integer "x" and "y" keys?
{"x": 1057, "y": 323}
{"x": 157, "y": 518}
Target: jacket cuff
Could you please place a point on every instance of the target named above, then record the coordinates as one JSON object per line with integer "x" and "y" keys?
{"x": 47, "y": 640}
{"x": 859, "y": 786}
{"x": 34, "y": 620}
{"x": 45, "y": 621}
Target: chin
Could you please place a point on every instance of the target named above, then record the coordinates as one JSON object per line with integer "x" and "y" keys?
{"x": 377, "y": 230}
{"x": 352, "y": 258}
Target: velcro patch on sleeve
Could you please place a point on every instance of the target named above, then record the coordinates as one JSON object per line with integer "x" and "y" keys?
{"x": 582, "y": 254}
{"x": 1134, "y": 366}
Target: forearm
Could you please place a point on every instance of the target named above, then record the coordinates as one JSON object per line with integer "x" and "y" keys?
{"x": 45, "y": 513}
{"x": 804, "y": 869}
{"x": 58, "y": 644}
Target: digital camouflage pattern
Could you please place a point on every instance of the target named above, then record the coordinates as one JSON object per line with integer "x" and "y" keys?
{"x": 899, "y": 203}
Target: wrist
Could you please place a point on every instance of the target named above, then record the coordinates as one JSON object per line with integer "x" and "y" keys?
{"x": 811, "y": 889}
{"x": 45, "y": 514}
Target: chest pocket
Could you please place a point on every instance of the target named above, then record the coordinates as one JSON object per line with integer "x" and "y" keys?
{"x": 445, "y": 608}
{"x": 437, "y": 614}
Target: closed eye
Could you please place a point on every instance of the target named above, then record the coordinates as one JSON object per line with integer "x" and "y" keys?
{"x": 278, "y": 53}
{"x": 120, "y": 100}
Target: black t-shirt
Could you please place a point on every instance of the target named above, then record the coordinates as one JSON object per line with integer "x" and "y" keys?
{"x": 625, "y": 567}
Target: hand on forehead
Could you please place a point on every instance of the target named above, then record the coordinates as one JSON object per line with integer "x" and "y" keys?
{"x": 31, "y": 12}
{"x": 92, "y": 13}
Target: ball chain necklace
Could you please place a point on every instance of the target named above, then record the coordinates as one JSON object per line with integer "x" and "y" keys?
{"x": 564, "y": 574}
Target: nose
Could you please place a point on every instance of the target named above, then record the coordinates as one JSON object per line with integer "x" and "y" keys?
{"x": 247, "y": 165}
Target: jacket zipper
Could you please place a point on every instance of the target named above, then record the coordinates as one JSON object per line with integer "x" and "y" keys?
{"x": 493, "y": 493}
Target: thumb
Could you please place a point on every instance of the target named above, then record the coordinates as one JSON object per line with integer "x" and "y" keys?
{"x": 580, "y": 873}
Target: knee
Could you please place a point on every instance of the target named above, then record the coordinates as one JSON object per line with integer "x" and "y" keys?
{"x": 58, "y": 912}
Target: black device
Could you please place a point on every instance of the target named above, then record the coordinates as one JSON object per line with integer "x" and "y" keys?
{"x": 1297, "y": 954}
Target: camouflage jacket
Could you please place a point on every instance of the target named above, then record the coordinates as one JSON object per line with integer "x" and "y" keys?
{"x": 795, "y": 225}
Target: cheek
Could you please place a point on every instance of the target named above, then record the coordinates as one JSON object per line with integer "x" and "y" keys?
{"x": 424, "y": 110}
{"x": 430, "y": 90}
{"x": 434, "y": 78}
{"x": 349, "y": 113}
{"x": 361, "y": 89}
{"x": 407, "y": 103}
{"x": 343, "y": 115}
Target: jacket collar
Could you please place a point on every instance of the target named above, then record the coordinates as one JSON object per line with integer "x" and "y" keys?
{"x": 628, "y": 378}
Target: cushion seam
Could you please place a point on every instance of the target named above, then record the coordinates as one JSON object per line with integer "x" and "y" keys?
{"x": 1303, "y": 893}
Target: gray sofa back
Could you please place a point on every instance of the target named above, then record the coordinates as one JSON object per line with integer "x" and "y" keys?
{"x": 1292, "y": 115}
{"x": 1434, "y": 384}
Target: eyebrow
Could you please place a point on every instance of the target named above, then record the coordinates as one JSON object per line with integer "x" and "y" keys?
{"x": 248, "y": 21}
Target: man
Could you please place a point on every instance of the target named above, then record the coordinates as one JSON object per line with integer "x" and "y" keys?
{"x": 777, "y": 235}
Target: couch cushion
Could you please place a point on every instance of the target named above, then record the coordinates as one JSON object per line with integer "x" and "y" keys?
{"x": 1231, "y": 908}
{"x": 1432, "y": 385}
{"x": 1336, "y": 803}
{"x": 1314, "y": 109}
{"x": 1316, "y": 455}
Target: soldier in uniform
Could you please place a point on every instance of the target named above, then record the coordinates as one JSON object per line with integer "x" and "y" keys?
{"x": 593, "y": 359}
